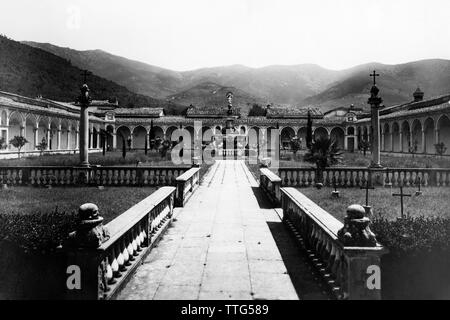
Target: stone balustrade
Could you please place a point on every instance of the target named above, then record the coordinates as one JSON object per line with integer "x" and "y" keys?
{"x": 95, "y": 176}
{"x": 358, "y": 176}
{"x": 106, "y": 256}
{"x": 347, "y": 257}
{"x": 186, "y": 184}
{"x": 271, "y": 184}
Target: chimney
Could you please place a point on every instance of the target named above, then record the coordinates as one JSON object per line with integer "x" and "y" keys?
{"x": 418, "y": 95}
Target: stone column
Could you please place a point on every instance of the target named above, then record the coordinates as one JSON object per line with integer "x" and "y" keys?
{"x": 424, "y": 150}
{"x": 345, "y": 142}
{"x": 84, "y": 136}
{"x": 99, "y": 145}
{"x": 36, "y": 138}
{"x": 22, "y": 130}
{"x": 69, "y": 132}
{"x": 77, "y": 139}
{"x": 58, "y": 139}
{"x": 49, "y": 129}
{"x": 114, "y": 146}
{"x": 375, "y": 102}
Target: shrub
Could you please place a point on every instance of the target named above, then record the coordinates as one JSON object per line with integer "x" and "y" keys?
{"x": 413, "y": 235}
{"x": 418, "y": 262}
{"x": 42, "y": 232}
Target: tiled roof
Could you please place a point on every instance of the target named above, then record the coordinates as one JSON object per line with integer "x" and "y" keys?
{"x": 149, "y": 112}
{"x": 46, "y": 107}
{"x": 211, "y": 111}
{"x": 293, "y": 112}
{"x": 416, "y": 105}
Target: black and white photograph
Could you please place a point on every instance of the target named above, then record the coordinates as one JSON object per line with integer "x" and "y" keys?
{"x": 223, "y": 154}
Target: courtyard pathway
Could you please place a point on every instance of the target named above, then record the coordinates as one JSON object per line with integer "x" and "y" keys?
{"x": 227, "y": 243}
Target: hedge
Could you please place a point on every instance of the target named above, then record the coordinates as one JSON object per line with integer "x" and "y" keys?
{"x": 418, "y": 265}
{"x": 41, "y": 232}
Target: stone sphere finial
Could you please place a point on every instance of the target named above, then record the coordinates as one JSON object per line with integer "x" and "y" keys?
{"x": 356, "y": 231}
{"x": 90, "y": 232}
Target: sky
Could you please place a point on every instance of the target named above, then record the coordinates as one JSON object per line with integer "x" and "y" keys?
{"x": 191, "y": 34}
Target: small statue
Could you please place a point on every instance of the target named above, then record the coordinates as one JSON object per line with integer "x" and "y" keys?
{"x": 356, "y": 231}
{"x": 85, "y": 97}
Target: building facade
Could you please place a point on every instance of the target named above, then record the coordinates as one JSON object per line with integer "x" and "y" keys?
{"x": 415, "y": 127}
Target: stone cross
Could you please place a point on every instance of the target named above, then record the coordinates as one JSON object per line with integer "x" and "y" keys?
{"x": 401, "y": 195}
{"x": 367, "y": 187}
{"x": 374, "y": 75}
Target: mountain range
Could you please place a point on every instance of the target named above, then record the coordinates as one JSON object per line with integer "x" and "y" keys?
{"x": 296, "y": 85}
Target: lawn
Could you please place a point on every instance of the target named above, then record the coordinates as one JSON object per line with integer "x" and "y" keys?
{"x": 435, "y": 201}
{"x": 111, "y": 201}
{"x": 356, "y": 159}
{"x": 111, "y": 158}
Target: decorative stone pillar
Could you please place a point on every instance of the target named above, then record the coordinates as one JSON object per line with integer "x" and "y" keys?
{"x": 82, "y": 252}
{"x": 375, "y": 102}
{"x": 391, "y": 137}
{"x": 362, "y": 254}
{"x": 22, "y": 130}
{"x": 400, "y": 139}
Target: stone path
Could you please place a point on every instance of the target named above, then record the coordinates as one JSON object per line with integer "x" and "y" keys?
{"x": 227, "y": 243}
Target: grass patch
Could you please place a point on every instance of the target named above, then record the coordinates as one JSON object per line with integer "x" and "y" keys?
{"x": 110, "y": 159}
{"x": 433, "y": 203}
{"x": 112, "y": 201}
{"x": 287, "y": 159}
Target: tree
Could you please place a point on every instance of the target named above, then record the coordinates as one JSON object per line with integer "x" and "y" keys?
{"x": 164, "y": 147}
{"x": 364, "y": 145}
{"x": 295, "y": 145}
{"x": 124, "y": 148}
{"x": 309, "y": 135}
{"x": 413, "y": 147}
{"x": 42, "y": 146}
{"x": 440, "y": 148}
{"x": 18, "y": 142}
{"x": 323, "y": 153}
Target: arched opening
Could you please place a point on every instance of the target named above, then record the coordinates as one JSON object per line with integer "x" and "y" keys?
{"x": 73, "y": 136}
{"x": 350, "y": 131}
{"x": 320, "y": 132}
{"x": 429, "y": 136}
{"x": 42, "y": 132}
{"x": 94, "y": 138}
{"x": 444, "y": 132}
{"x": 365, "y": 134}
{"x": 287, "y": 134}
{"x": 191, "y": 131}
{"x": 272, "y": 138}
{"x": 387, "y": 138}
{"x": 123, "y": 135}
{"x": 139, "y": 136}
{"x": 30, "y": 125}
{"x": 64, "y": 135}
{"x": 156, "y": 137}
{"x": 15, "y": 125}
{"x": 3, "y": 118}
{"x": 109, "y": 137}
{"x": 53, "y": 134}
{"x": 406, "y": 137}
{"x": 417, "y": 136}
{"x": 207, "y": 135}
{"x": 396, "y": 137}
{"x": 337, "y": 134}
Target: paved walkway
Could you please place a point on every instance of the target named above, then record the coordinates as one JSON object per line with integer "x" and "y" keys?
{"x": 227, "y": 243}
